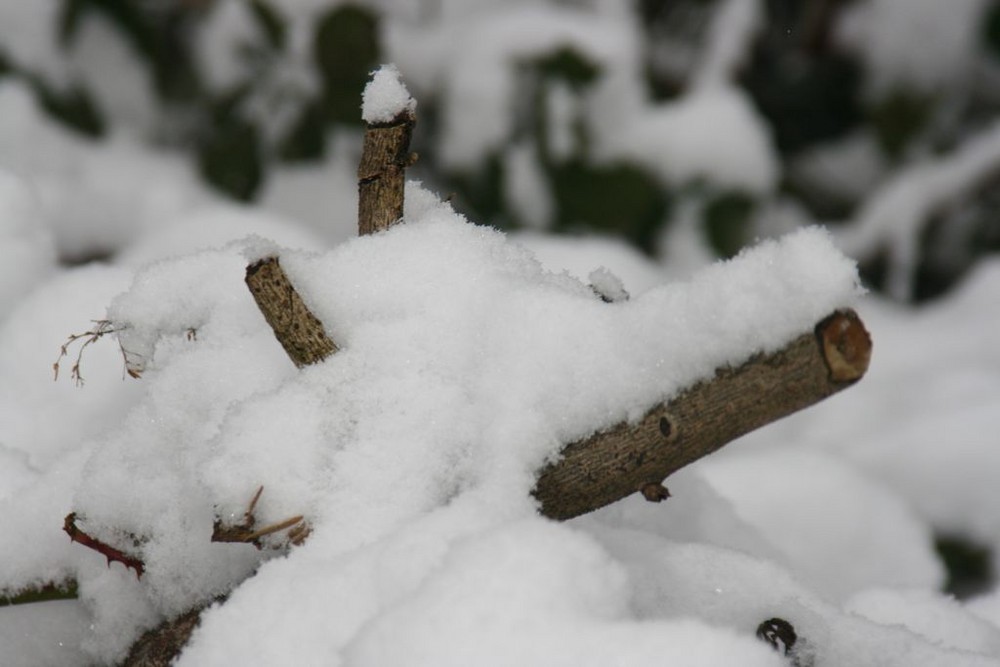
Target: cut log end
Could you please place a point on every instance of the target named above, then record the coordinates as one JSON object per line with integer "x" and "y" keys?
{"x": 846, "y": 346}
{"x": 614, "y": 463}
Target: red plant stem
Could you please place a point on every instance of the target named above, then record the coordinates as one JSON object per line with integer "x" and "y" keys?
{"x": 108, "y": 551}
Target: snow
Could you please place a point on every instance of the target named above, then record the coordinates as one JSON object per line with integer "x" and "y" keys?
{"x": 95, "y": 197}
{"x": 468, "y": 357}
{"x": 712, "y": 133}
{"x": 27, "y": 254}
{"x": 607, "y": 285}
{"x": 385, "y": 97}
{"x": 841, "y": 511}
{"x": 895, "y": 216}
{"x": 928, "y": 613}
{"x": 731, "y": 31}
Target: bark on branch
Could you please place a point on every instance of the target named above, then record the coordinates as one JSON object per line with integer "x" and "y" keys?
{"x": 628, "y": 458}
{"x": 385, "y": 156}
{"x": 296, "y": 328}
{"x": 611, "y": 465}
{"x": 381, "y": 178}
{"x": 160, "y": 646}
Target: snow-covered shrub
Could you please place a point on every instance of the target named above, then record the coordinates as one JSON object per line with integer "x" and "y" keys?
{"x": 746, "y": 117}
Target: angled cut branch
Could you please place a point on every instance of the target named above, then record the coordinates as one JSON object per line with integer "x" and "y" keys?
{"x": 613, "y": 464}
{"x": 296, "y": 328}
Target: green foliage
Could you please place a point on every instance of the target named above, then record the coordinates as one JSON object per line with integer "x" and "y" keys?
{"x": 898, "y": 118}
{"x": 969, "y": 565}
{"x": 727, "y": 220}
{"x": 271, "y": 24}
{"x": 63, "y": 591}
{"x": 346, "y": 50}
{"x": 805, "y": 87}
{"x": 617, "y": 198}
{"x": 229, "y": 157}
{"x": 480, "y": 194}
{"x": 807, "y": 99}
{"x": 991, "y": 30}
{"x": 74, "y": 107}
{"x": 157, "y": 33}
{"x": 567, "y": 64}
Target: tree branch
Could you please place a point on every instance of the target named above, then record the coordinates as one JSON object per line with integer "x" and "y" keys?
{"x": 296, "y": 328}
{"x": 160, "y": 646}
{"x": 613, "y": 464}
{"x": 382, "y": 173}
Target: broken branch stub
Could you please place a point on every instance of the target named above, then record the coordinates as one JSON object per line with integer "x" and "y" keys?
{"x": 296, "y": 328}
{"x": 613, "y": 464}
{"x": 385, "y": 155}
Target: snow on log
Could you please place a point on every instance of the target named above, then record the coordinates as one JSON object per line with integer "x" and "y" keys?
{"x": 613, "y": 464}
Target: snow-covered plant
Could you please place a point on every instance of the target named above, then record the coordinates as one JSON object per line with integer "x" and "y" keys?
{"x": 679, "y": 125}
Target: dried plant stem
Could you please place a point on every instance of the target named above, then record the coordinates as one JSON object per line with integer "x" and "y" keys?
{"x": 102, "y": 328}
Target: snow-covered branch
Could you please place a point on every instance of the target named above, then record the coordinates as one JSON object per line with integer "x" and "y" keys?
{"x": 630, "y": 457}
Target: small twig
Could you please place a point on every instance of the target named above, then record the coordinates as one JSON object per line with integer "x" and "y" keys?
{"x": 244, "y": 532}
{"x": 654, "y": 492}
{"x": 108, "y": 551}
{"x": 102, "y": 328}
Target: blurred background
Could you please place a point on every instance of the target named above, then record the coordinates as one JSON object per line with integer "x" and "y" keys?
{"x": 688, "y": 128}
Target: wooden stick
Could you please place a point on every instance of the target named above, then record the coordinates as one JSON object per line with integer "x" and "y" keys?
{"x": 613, "y": 464}
{"x": 382, "y": 173}
{"x": 296, "y": 328}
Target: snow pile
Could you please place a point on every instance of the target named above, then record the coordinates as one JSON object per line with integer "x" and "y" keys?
{"x": 467, "y": 360}
{"x": 463, "y": 367}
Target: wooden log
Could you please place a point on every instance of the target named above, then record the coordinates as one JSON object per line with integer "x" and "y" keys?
{"x": 296, "y": 328}
{"x": 385, "y": 155}
{"x": 628, "y": 458}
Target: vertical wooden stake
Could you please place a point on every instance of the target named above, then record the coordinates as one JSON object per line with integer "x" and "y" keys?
{"x": 385, "y": 156}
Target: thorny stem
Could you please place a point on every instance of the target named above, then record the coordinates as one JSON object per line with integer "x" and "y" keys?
{"x": 103, "y": 548}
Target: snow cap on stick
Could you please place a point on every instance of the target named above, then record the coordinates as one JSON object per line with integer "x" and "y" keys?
{"x": 385, "y": 97}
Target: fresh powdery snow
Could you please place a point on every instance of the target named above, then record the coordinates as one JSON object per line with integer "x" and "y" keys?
{"x": 465, "y": 364}
{"x": 385, "y": 97}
